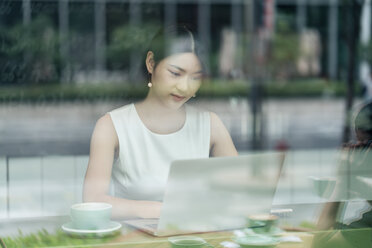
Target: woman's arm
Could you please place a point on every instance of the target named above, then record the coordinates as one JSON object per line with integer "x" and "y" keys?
{"x": 97, "y": 179}
{"x": 221, "y": 142}
{"x": 327, "y": 218}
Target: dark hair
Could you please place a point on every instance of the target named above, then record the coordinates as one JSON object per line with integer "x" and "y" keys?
{"x": 363, "y": 120}
{"x": 172, "y": 40}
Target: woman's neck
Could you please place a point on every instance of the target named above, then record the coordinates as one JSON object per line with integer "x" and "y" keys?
{"x": 155, "y": 108}
{"x": 159, "y": 118}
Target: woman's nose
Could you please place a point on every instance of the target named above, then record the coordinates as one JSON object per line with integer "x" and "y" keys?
{"x": 182, "y": 85}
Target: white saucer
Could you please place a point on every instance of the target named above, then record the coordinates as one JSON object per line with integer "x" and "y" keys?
{"x": 275, "y": 231}
{"x": 111, "y": 227}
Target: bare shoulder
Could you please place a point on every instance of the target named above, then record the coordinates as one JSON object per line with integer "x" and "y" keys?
{"x": 104, "y": 130}
{"x": 105, "y": 121}
{"x": 215, "y": 120}
{"x": 221, "y": 142}
{"x": 216, "y": 126}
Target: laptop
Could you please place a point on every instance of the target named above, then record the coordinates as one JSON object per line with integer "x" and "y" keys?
{"x": 215, "y": 194}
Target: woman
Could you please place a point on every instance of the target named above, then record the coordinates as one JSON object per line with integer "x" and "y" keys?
{"x": 133, "y": 146}
{"x": 355, "y": 177}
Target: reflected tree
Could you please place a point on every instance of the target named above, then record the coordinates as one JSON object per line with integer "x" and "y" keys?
{"x": 39, "y": 41}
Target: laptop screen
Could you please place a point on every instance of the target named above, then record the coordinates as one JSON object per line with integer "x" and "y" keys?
{"x": 218, "y": 193}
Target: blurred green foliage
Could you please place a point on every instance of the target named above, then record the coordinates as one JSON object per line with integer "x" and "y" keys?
{"x": 284, "y": 51}
{"x": 284, "y": 55}
{"x": 365, "y": 52}
{"x": 129, "y": 39}
{"x": 311, "y": 226}
{"x": 43, "y": 238}
{"x": 347, "y": 238}
{"x": 29, "y": 52}
{"x": 209, "y": 89}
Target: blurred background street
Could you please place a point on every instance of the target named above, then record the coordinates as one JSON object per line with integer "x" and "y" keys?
{"x": 65, "y": 129}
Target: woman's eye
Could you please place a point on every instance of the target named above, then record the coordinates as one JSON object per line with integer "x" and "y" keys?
{"x": 175, "y": 73}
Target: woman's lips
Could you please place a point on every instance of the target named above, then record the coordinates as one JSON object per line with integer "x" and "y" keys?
{"x": 177, "y": 97}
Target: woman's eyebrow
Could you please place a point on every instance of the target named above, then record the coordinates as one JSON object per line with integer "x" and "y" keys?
{"x": 183, "y": 70}
{"x": 179, "y": 68}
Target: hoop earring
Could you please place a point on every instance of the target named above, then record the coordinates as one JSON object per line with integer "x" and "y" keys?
{"x": 149, "y": 85}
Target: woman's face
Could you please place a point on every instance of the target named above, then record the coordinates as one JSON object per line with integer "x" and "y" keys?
{"x": 176, "y": 79}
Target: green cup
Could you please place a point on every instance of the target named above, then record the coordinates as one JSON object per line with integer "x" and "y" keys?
{"x": 90, "y": 215}
{"x": 188, "y": 242}
{"x": 262, "y": 223}
{"x": 323, "y": 186}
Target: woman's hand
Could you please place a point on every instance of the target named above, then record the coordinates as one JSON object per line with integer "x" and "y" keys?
{"x": 151, "y": 210}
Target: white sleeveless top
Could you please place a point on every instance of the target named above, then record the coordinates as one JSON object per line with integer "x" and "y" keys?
{"x": 141, "y": 169}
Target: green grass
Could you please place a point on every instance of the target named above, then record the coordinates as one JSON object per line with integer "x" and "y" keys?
{"x": 70, "y": 92}
{"x": 209, "y": 89}
{"x": 308, "y": 225}
{"x": 44, "y": 239}
{"x": 307, "y": 88}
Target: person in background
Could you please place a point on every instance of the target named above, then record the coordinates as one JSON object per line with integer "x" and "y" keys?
{"x": 133, "y": 146}
{"x": 355, "y": 177}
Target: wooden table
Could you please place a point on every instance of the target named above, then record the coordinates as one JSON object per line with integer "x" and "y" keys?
{"x": 135, "y": 238}
{"x": 130, "y": 237}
